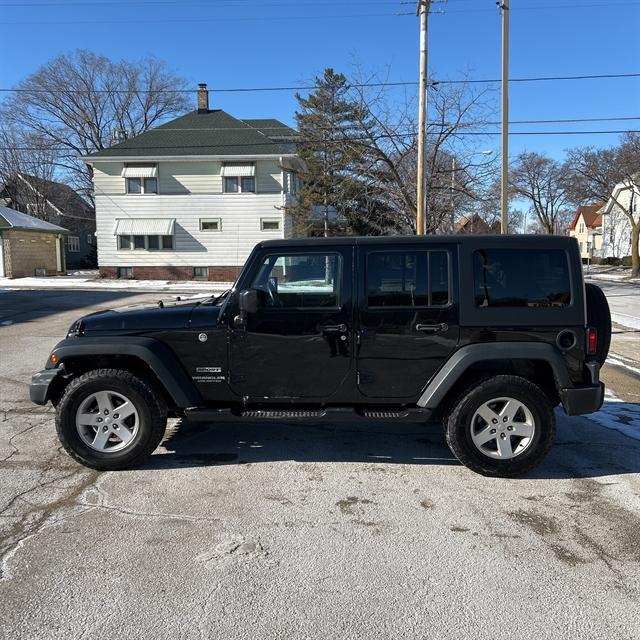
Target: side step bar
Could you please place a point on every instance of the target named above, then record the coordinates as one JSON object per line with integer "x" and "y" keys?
{"x": 328, "y": 414}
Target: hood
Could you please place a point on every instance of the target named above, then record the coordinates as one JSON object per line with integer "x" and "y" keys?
{"x": 141, "y": 317}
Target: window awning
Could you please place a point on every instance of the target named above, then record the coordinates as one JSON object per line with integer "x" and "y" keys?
{"x": 144, "y": 226}
{"x": 231, "y": 170}
{"x": 140, "y": 171}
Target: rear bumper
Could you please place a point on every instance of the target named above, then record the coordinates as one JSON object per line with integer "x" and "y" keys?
{"x": 40, "y": 387}
{"x": 579, "y": 400}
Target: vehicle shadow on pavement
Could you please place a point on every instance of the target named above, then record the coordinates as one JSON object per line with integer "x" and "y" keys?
{"x": 582, "y": 449}
{"x": 27, "y": 305}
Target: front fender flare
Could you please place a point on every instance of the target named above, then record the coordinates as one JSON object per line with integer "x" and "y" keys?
{"x": 155, "y": 354}
{"x": 461, "y": 360}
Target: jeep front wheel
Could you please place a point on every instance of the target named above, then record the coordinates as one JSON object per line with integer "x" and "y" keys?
{"x": 501, "y": 426}
{"x": 110, "y": 419}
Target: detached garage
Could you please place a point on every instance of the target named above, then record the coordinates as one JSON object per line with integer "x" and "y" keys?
{"x": 29, "y": 246}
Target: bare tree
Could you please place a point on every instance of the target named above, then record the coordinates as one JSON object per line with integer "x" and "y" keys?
{"x": 595, "y": 174}
{"x": 74, "y": 103}
{"x": 544, "y": 182}
{"x": 457, "y": 174}
{"x": 26, "y": 155}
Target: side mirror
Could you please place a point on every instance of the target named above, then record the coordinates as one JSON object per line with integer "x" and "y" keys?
{"x": 248, "y": 301}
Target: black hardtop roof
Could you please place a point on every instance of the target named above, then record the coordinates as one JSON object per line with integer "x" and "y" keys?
{"x": 521, "y": 240}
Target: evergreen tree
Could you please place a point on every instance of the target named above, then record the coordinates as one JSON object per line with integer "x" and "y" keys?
{"x": 331, "y": 194}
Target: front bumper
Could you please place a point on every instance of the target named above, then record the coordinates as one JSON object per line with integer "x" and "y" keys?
{"x": 579, "y": 400}
{"x": 41, "y": 383}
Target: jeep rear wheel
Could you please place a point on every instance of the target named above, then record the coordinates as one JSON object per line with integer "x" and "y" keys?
{"x": 109, "y": 419}
{"x": 501, "y": 426}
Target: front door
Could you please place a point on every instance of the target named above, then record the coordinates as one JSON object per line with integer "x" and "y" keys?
{"x": 408, "y": 318}
{"x": 298, "y": 343}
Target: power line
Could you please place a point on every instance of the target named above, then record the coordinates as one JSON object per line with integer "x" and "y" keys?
{"x": 433, "y": 84}
{"x": 381, "y": 136}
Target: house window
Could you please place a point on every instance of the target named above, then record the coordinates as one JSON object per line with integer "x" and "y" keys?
{"x": 210, "y": 224}
{"x": 581, "y": 228}
{"x": 145, "y": 243}
{"x": 125, "y": 272}
{"x": 201, "y": 273}
{"x": 73, "y": 244}
{"x": 142, "y": 185}
{"x": 239, "y": 184}
{"x": 269, "y": 224}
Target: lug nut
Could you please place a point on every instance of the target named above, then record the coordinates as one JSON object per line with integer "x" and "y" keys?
{"x": 494, "y": 420}
{"x": 100, "y": 419}
{"x": 505, "y": 419}
{"x": 106, "y": 412}
{"x": 105, "y": 429}
{"x": 493, "y": 430}
{"x": 116, "y": 416}
{"x": 509, "y": 428}
{"x": 503, "y": 435}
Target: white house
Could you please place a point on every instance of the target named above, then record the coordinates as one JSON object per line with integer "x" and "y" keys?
{"x": 616, "y": 227}
{"x": 190, "y": 198}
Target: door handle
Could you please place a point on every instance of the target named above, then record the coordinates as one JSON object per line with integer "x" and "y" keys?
{"x": 432, "y": 328}
{"x": 334, "y": 328}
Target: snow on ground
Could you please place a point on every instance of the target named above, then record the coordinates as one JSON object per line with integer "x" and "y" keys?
{"x": 619, "y": 416}
{"x": 77, "y": 281}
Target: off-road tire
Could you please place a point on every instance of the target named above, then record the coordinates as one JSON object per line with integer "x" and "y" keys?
{"x": 151, "y": 408}
{"x": 457, "y": 424}
{"x": 599, "y": 316}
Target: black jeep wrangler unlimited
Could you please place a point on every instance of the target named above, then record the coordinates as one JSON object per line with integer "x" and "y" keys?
{"x": 487, "y": 334}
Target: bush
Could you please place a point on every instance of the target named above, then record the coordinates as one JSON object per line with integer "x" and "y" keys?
{"x": 611, "y": 261}
{"x": 626, "y": 261}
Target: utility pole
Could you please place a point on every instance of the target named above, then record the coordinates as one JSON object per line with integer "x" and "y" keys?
{"x": 453, "y": 193}
{"x": 504, "y": 187}
{"x": 421, "y": 200}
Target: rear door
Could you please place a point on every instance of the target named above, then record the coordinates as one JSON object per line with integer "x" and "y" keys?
{"x": 407, "y": 317}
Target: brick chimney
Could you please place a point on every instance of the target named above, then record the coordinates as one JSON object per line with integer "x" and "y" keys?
{"x": 203, "y": 98}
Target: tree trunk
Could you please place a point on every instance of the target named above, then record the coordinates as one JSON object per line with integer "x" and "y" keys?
{"x": 635, "y": 257}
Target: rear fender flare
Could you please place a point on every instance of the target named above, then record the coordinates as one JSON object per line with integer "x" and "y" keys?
{"x": 437, "y": 389}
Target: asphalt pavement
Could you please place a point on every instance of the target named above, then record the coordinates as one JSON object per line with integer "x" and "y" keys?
{"x": 313, "y": 531}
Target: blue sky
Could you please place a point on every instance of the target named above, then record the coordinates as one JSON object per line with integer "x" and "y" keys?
{"x": 232, "y": 43}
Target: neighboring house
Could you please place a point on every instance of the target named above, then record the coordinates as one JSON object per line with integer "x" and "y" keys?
{"x": 191, "y": 198}
{"x": 616, "y": 227}
{"x": 58, "y": 204}
{"x": 586, "y": 228}
{"x": 29, "y": 246}
{"x": 471, "y": 225}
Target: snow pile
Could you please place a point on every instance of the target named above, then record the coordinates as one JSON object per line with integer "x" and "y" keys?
{"x": 619, "y": 416}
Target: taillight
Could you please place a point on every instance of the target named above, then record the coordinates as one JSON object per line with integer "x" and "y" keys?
{"x": 592, "y": 341}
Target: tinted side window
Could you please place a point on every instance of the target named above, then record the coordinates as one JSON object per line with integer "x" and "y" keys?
{"x": 305, "y": 280}
{"x": 521, "y": 278}
{"x": 407, "y": 279}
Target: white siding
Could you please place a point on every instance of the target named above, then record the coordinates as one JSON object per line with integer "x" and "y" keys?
{"x": 107, "y": 178}
{"x": 240, "y": 215}
{"x": 176, "y": 178}
{"x": 189, "y": 177}
{"x": 268, "y": 176}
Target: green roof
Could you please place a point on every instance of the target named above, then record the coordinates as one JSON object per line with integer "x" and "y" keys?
{"x": 210, "y": 133}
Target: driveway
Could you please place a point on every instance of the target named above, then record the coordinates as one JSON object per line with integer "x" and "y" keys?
{"x": 283, "y": 531}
